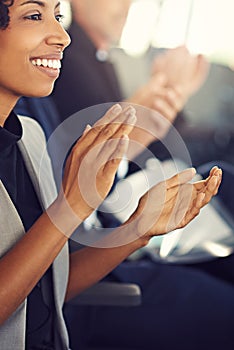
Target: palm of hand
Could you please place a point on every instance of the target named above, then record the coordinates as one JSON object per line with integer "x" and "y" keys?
{"x": 171, "y": 205}
{"x": 94, "y": 159}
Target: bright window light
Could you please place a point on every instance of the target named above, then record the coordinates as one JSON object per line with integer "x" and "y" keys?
{"x": 212, "y": 28}
{"x": 140, "y": 25}
{"x": 205, "y": 26}
{"x": 173, "y": 23}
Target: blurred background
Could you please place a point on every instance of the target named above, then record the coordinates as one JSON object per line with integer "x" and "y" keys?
{"x": 204, "y": 26}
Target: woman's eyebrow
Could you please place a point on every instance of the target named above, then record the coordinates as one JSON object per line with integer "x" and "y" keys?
{"x": 38, "y": 2}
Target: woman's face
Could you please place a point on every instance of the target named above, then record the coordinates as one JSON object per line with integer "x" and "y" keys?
{"x": 31, "y": 48}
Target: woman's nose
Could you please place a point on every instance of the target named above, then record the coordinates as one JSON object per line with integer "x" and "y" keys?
{"x": 58, "y": 36}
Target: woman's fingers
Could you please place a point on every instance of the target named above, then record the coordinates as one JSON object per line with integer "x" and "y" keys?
{"x": 173, "y": 190}
{"x": 215, "y": 171}
{"x": 115, "y": 123}
{"x": 109, "y": 116}
{"x": 207, "y": 189}
{"x": 122, "y": 125}
{"x": 100, "y": 165}
{"x": 116, "y": 114}
{"x": 194, "y": 210}
{"x": 114, "y": 154}
{"x": 97, "y": 155}
{"x": 211, "y": 188}
{"x": 210, "y": 185}
{"x": 88, "y": 127}
{"x": 181, "y": 178}
{"x": 174, "y": 203}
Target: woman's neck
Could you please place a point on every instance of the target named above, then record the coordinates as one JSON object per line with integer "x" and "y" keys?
{"x": 6, "y": 106}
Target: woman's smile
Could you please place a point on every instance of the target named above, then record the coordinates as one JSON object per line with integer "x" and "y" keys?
{"x": 50, "y": 64}
{"x": 33, "y": 44}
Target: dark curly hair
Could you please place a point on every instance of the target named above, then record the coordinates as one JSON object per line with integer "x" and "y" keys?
{"x": 4, "y": 13}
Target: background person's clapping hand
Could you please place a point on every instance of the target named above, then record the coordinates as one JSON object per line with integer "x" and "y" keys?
{"x": 183, "y": 70}
{"x": 176, "y": 75}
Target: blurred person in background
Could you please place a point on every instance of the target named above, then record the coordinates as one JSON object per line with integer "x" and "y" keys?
{"x": 95, "y": 28}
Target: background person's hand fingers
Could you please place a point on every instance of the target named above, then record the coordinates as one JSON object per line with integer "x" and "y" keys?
{"x": 175, "y": 98}
{"x": 162, "y": 106}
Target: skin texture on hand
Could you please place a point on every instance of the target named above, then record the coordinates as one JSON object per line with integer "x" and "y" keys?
{"x": 172, "y": 204}
{"x": 93, "y": 162}
{"x": 169, "y": 205}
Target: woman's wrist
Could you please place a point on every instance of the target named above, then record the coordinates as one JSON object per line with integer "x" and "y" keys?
{"x": 64, "y": 217}
{"x": 131, "y": 229}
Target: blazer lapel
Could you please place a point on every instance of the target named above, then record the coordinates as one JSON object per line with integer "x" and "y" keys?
{"x": 33, "y": 149}
{"x": 12, "y": 228}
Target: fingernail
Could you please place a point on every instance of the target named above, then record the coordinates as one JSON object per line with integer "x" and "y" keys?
{"x": 130, "y": 112}
{"x": 194, "y": 170}
{"x": 116, "y": 109}
{"x": 87, "y": 128}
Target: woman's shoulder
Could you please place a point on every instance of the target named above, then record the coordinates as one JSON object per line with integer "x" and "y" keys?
{"x": 31, "y": 128}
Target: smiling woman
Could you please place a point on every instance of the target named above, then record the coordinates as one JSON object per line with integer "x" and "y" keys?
{"x": 32, "y": 41}
{"x": 37, "y": 51}
{"x": 36, "y": 221}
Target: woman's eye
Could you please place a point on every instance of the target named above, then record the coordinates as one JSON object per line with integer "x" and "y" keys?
{"x": 59, "y": 18}
{"x": 34, "y": 17}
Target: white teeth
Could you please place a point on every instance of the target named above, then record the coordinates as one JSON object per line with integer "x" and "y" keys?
{"x": 44, "y": 62}
{"x": 50, "y": 63}
{"x": 55, "y": 64}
